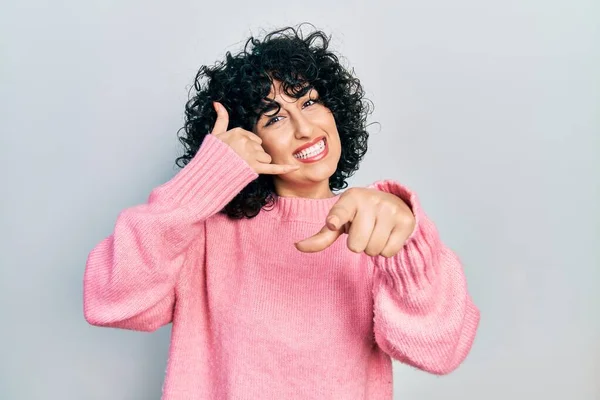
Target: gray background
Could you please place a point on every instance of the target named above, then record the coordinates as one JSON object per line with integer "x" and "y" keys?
{"x": 489, "y": 110}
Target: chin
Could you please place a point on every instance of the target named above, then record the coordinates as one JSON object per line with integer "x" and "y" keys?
{"x": 318, "y": 179}
{"x": 323, "y": 170}
{"x": 315, "y": 175}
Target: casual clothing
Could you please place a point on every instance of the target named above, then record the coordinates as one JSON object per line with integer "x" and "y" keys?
{"x": 253, "y": 317}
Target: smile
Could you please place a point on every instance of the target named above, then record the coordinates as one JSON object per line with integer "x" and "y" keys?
{"x": 313, "y": 153}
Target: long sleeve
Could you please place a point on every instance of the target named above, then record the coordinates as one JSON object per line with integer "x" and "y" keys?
{"x": 423, "y": 313}
{"x": 130, "y": 276}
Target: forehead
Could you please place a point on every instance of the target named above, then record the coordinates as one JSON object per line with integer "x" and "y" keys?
{"x": 277, "y": 91}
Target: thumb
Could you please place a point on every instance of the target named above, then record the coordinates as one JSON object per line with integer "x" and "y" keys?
{"x": 222, "y": 121}
{"x": 319, "y": 241}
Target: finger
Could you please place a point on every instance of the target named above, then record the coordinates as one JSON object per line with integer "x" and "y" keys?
{"x": 379, "y": 238}
{"x": 361, "y": 229}
{"x": 222, "y": 121}
{"x": 395, "y": 242}
{"x": 319, "y": 241}
{"x": 256, "y": 147}
{"x": 252, "y": 136}
{"x": 275, "y": 169}
{"x": 263, "y": 157}
{"x": 341, "y": 213}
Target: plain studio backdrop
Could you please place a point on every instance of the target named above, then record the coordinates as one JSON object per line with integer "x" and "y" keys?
{"x": 489, "y": 110}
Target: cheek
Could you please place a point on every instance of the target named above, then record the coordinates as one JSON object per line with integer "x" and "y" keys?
{"x": 276, "y": 149}
{"x": 336, "y": 145}
{"x": 331, "y": 127}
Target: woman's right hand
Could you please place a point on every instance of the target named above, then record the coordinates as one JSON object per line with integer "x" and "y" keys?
{"x": 247, "y": 145}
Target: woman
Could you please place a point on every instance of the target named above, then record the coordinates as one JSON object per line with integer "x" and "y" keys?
{"x": 240, "y": 250}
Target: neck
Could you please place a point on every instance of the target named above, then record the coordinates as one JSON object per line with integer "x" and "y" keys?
{"x": 319, "y": 190}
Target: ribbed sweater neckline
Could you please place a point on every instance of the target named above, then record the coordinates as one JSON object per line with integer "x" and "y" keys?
{"x": 301, "y": 208}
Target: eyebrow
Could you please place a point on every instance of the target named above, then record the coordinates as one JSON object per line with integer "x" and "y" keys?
{"x": 274, "y": 105}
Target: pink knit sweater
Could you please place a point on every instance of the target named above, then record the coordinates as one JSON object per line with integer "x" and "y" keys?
{"x": 254, "y": 318}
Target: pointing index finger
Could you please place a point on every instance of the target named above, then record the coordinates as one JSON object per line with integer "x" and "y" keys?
{"x": 275, "y": 169}
{"x": 341, "y": 213}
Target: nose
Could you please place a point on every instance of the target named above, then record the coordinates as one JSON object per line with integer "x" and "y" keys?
{"x": 303, "y": 127}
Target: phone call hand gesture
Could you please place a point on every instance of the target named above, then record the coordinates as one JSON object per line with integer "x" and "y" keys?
{"x": 247, "y": 145}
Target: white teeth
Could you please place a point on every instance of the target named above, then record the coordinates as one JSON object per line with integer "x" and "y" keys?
{"x": 312, "y": 151}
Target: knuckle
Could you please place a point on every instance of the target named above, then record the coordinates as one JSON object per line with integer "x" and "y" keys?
{"x": 388, "y": 210}
{"x": 388, "y": 207}
{"x": 374, "y": 198}
{"x": 352, "y": 191}
{"x": 407, "y": 220}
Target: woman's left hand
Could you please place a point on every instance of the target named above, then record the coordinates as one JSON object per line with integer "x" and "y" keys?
{"x": 377, "y": 223}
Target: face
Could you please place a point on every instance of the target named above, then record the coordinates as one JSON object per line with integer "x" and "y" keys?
{"x": 303, "y": 133}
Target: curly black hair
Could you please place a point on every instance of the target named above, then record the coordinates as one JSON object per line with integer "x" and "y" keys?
{"x": 242, "y": 83}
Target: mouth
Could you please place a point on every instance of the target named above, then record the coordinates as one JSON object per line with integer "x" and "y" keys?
{"x": 314, "y": 152}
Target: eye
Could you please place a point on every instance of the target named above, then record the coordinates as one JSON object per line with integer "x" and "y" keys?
{"x": 275, "y": 119}
{"x": 310, "y": 102}
{"x": 272, "y": 120}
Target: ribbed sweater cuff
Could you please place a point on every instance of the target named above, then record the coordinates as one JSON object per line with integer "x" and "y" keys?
{"x": 215, "y": 174}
